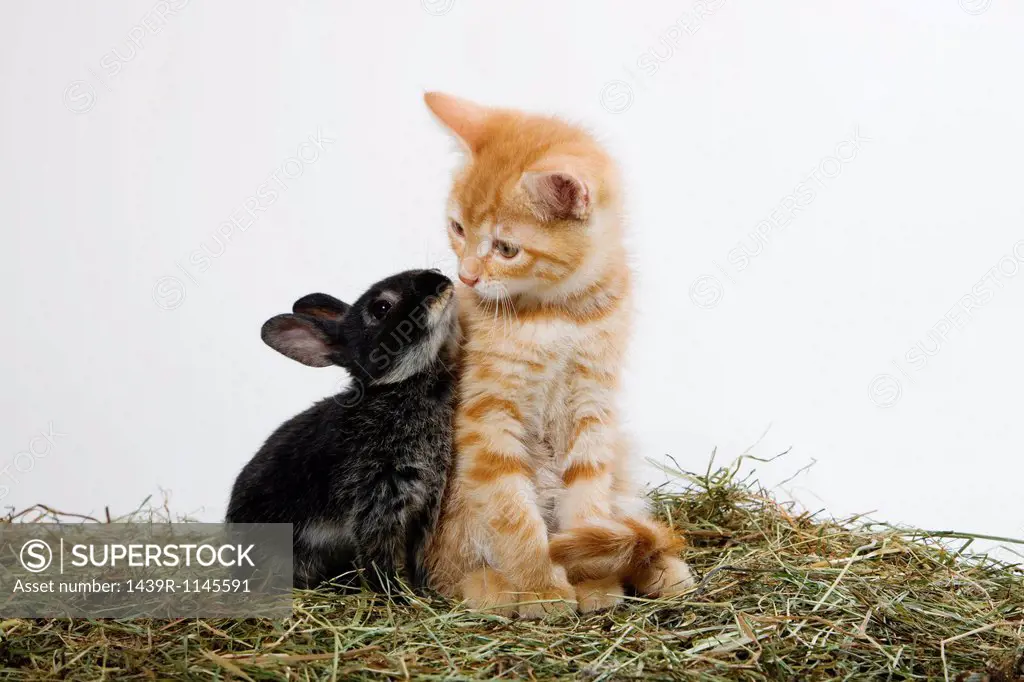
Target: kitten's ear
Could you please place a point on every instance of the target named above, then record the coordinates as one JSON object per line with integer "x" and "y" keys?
{"x": 321, "y": 306}
{"x": 557, "y": 195}
{"x": 463, "y": 118}
{"x": 301, "y": 338}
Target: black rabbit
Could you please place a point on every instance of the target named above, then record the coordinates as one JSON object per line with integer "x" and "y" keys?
{"x": 361, "y": 475}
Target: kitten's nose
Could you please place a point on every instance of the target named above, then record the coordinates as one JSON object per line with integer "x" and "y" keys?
{"x": 470, "y": 270}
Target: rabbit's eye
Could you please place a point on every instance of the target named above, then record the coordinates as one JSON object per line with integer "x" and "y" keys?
{"x": 456, "y": 227}
{"x": 380, "y": 308}
{"x": 506, "y": 250}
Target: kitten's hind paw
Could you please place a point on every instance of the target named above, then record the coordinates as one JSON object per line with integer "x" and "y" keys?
{"x": 667, "y": 576}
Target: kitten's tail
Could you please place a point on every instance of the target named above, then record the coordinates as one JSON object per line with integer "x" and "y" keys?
{"x": 621, "y": 548}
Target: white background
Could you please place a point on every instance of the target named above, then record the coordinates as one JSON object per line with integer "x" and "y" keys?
{"x": 113, "y": 180}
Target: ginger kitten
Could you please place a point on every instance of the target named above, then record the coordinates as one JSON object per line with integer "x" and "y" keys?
{"x": 534, "y": 217}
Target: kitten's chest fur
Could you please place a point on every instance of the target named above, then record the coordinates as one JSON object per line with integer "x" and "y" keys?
{"x": 540, "y": 356}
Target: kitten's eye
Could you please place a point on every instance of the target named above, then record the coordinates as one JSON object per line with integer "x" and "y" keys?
{"x": 506, "y": 250}
{"x": 380, "y": 308}
{"x": 456, "y": 227}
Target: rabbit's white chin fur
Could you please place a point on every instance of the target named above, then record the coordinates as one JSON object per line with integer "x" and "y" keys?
{"x": 442, "y": 320}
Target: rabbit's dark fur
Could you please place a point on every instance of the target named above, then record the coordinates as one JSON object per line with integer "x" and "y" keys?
{"x": 361, "y": 475}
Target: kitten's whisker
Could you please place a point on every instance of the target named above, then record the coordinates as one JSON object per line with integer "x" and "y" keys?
{"x": 507, "y": 309}
{"x": 494, "y": 320}
{"x": 512, "y": 305}
{"x": 499, "y": 302}
{"x": 508, "y": 317}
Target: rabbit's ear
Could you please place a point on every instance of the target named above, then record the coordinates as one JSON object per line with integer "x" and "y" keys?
{"x": 302, "y": 338}
{"x": 321, "y": 306}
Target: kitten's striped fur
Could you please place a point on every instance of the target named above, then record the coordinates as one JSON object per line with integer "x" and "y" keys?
{"x": 540, "y": 506}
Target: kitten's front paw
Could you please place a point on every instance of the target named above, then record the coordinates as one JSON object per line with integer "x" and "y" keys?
{"x": 487, "y": 590}
{"x": 540, "y": 603}
{"x": 557, "y": 597}
{"x": 598, "y": 595}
